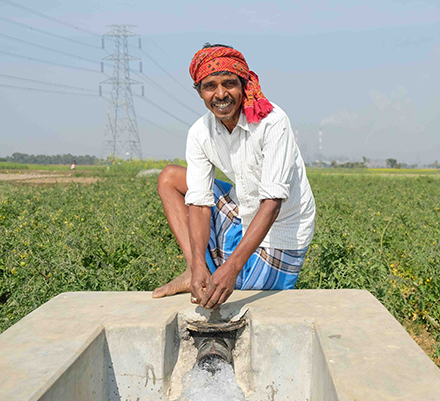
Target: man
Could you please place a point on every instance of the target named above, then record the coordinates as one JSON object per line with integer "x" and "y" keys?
{"x": 257, "y": 233}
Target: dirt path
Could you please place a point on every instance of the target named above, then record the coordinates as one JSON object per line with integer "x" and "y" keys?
{"x": 43, "y": 177}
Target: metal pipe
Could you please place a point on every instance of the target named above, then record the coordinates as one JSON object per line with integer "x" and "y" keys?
{"x": 214, "y": 342}
{"x": 219, "y": 346}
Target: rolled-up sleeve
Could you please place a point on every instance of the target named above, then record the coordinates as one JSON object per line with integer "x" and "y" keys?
{"x": 279, "y": 153}
{"x": 199, "y": 175}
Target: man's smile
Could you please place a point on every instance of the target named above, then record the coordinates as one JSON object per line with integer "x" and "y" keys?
{"x": 223, "y": 105}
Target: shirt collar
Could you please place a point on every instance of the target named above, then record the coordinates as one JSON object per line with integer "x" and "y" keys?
{"x": 242, "y": 123}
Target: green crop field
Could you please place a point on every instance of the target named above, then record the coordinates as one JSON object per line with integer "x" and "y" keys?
{"x": 375, "y": 229}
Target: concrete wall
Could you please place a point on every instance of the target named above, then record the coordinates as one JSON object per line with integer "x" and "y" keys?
{"x": 322, "y": 386}
{"x": 282, "y": 361}
{"x": 84, "y": 379}
{"x": 135, "y": 361}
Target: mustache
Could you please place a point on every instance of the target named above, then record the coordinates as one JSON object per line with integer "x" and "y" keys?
{"x": 226, "y": 99}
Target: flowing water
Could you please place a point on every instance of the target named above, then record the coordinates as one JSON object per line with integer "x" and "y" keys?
{"x": 212, "y": 380}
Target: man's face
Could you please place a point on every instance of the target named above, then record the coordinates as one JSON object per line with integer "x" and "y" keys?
{"x": 223, "y": 95}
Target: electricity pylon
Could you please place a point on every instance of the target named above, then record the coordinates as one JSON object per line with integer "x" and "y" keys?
{"x": 122, "y": 134}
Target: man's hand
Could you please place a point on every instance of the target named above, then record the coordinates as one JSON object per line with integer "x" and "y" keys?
{"x": 199, "y": 283}
{"x": 220, "y": 287}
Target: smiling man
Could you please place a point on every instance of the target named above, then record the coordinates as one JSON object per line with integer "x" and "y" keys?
{"x": 255, "y": 234}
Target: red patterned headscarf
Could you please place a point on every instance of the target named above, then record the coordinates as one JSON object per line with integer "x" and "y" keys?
{"x": 213, "y": 59}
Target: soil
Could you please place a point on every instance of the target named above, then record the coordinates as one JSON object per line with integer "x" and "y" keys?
{"x": 424, "y": 339}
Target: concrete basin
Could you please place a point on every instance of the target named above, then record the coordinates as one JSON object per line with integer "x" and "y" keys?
{"x": 314, "y": 345}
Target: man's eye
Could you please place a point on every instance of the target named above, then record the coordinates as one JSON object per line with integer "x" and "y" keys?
{"x": 232, "y": 84}
{"x": 208, "y": 86}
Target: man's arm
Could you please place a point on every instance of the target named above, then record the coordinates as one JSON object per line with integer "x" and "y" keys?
{"x": 199, "y": 230}
{"x": 199, "y": 198}
{"x": 221, "y": 284}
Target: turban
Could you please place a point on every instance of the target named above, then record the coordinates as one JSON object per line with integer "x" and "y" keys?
{"x": 213, "y": 59}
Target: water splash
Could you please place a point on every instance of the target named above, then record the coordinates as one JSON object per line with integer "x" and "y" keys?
{"x": 212, "y": 379}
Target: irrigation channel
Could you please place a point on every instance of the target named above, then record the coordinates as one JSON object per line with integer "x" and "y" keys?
{"x": 212, "y": 376}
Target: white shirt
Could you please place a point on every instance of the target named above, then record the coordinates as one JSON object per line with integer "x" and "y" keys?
{"x": 264, "y": 162}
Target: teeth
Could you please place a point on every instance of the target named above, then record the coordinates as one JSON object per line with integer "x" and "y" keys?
{"x": 222, "y": 105}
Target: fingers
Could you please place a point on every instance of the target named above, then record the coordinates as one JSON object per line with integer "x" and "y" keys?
{"x": 197, "y": 295}
{"x": 212, "y": 291}
{"x": 198, "y": 288}
{"x": 211, "y": 297}
{"x": 194, "y": 300}
{"x": 223, "y": 298}
{"x": 215, "y": 298}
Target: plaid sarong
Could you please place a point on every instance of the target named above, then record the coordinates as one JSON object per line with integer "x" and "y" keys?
{"x": 267, "y": 268}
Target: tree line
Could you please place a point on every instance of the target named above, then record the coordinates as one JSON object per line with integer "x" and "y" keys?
{"x": 54, "y": 159}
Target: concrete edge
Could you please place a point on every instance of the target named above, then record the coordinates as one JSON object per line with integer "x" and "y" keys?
{"x": 67, "y": 364}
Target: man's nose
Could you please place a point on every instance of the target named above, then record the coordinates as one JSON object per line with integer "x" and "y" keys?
{"x": 221, "y": 92}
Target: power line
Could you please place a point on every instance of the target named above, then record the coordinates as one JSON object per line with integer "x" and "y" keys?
{"x": 83, "y": 58}
{"x": 47, "y": 90}
{"x": 49, "y": 33}
{"x": 160, "y": 127}
{"x": 150, "y": 122}
{"x": 80, "y": 68}
{"x": 47, "y": 83}
{"x": 48, "y": 48}
{"x": 49, "y": 62}
{"x": 162, "y": 109}
{"x": 86, "y": 94}
{"x": 164, "y": 91}
{"x": 155, "y": 44}
{"x": 166, "y": 72}
{"x": 11, "y": 3}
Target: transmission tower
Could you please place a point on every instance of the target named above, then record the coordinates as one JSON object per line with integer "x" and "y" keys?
{"x": 122, "y": 134}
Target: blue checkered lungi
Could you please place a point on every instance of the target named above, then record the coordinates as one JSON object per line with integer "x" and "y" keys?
{"x": 267, "y": 268}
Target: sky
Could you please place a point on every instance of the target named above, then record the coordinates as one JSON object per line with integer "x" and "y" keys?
{"x": 365, "y": 73}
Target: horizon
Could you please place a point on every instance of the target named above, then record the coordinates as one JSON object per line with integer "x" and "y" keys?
{"x": 389, "y": 163}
